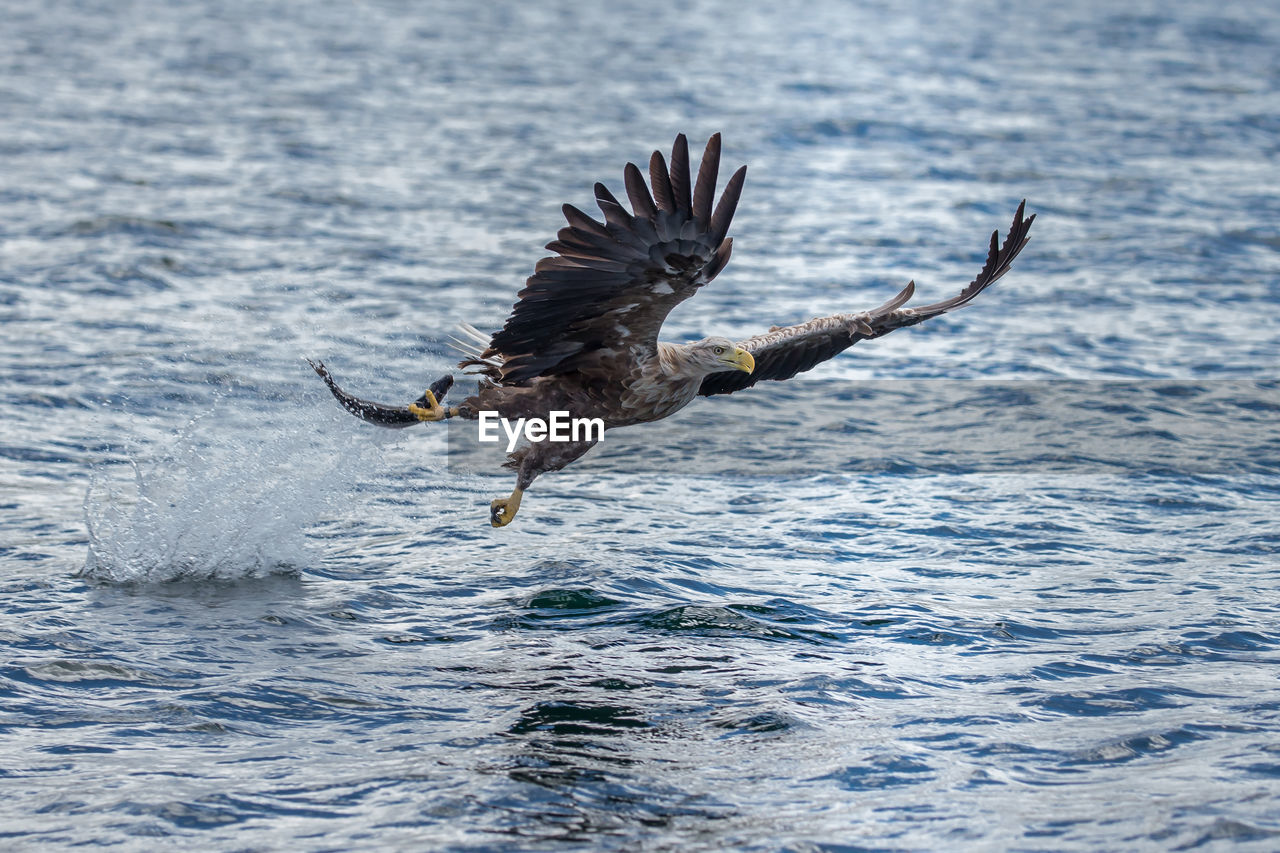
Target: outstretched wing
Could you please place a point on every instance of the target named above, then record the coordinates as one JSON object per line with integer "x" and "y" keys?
{"x": 606, "y": 292}
{"x": 781, "y": 353}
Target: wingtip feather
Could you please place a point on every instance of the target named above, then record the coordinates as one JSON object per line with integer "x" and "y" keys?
{"x": 638, "y": 194}
{"x": 723, "y": 217}
{"x": 680, "y": 174}
{"x": 660, "y": 179}
{"x": 705, "y": 190}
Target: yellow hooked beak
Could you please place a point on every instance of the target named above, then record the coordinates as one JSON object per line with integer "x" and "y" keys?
{"x": 740, "y": 359}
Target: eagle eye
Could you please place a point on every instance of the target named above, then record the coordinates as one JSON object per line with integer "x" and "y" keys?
{"x": 719, "y": 350}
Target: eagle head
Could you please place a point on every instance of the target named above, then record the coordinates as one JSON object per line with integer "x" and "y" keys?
{"x": 715, "y": 355}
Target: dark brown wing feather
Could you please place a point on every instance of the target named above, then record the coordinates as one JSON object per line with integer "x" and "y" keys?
{"x": 611, "y": 284}
{"x": 783, "y": 352}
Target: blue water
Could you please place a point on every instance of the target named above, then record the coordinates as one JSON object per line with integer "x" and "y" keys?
{"x": 1006, "y": 580}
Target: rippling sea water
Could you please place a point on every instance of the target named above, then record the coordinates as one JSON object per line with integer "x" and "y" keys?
{"x": 1004, "y": 580}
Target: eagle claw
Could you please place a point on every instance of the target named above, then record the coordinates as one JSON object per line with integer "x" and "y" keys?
{"x": 427, "y": 408}
{"x": 503, "y": 510}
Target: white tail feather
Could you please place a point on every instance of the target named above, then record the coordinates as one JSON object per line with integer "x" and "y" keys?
{"x": 474, "y": 334}
{"x": 475, "y": 344}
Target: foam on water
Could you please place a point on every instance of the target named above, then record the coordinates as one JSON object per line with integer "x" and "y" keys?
{"x": 222, "y": 501}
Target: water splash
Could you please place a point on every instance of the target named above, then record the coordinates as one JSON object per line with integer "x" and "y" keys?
{"x": 226, "y": 500}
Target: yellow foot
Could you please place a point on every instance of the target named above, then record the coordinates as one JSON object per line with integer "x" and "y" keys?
{"x": 432, "y": 410}
{"x": 503, "y": 510}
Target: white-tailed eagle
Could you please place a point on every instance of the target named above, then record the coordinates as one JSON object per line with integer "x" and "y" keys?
{"x": 583, "y": 337}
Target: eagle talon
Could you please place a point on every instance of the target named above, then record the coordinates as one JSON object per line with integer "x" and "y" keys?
{"x": 427, "y": 408}
{"x": 503, "y": 510}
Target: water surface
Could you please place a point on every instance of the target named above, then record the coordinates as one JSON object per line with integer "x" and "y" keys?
{"x": 1002, "y": 581}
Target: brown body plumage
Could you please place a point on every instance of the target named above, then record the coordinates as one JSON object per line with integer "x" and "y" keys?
{"x": 583, "y": 337}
